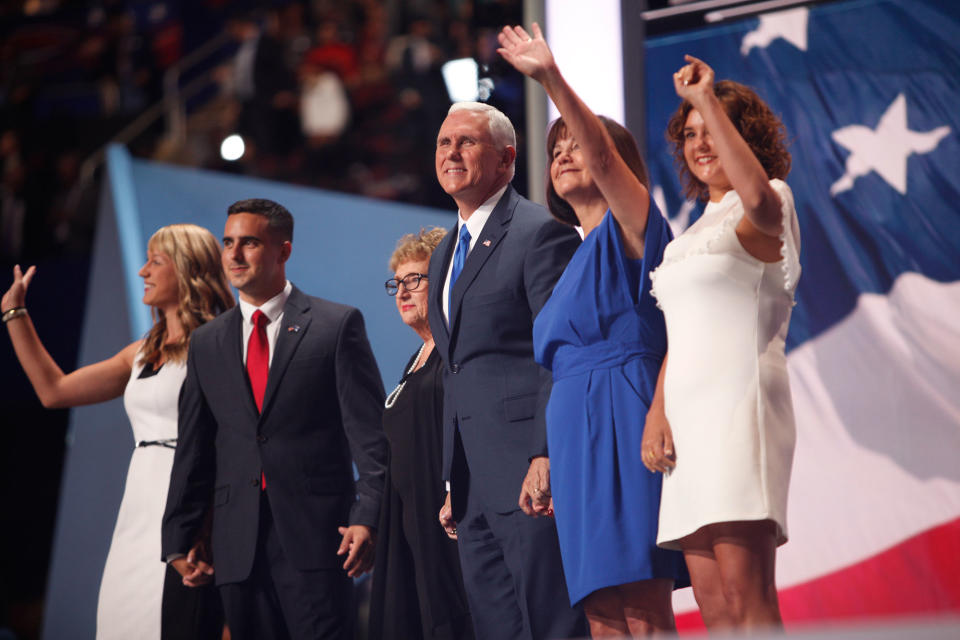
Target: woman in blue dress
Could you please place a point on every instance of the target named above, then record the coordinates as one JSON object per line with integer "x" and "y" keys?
{"x": 604, "y": 340}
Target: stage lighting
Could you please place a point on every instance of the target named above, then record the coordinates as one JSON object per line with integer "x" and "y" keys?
{"x": 464, "y": 84}
{"x": 232, "y": 148}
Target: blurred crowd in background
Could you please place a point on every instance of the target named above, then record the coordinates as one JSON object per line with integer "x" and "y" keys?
{"x": 336, "y": 94}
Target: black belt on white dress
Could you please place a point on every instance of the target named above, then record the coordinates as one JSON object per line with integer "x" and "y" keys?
{"x": 169, "y": 443}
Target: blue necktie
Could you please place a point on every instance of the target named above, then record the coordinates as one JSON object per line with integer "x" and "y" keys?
{"x": 463, "y": 246}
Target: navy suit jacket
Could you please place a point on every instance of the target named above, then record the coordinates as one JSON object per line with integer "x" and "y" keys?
{"x": 493, "y": 389}
{"x": 321, "y": 411}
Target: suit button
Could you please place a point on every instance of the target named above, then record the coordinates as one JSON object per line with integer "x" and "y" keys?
{"x": 255, "y": 482}
{"x": 261, "y": 438}
{"x": 454, "y": 367}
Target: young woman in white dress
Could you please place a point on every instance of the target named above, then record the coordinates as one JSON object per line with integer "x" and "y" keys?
{"x": 721, "y": 425}
{"x": 185, "y": 286}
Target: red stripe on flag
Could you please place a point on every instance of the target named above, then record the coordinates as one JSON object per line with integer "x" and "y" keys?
{"x": 919, "y": 576}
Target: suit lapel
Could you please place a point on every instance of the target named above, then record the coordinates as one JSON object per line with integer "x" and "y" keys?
{"x": 231, "y": 346}
{"x": 296, "y": 319}
{"x": 491, "y": 235}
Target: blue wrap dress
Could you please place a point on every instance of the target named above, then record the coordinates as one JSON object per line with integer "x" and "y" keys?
{"x": 603, "y": 338}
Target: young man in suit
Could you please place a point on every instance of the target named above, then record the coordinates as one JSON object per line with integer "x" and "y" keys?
{"x": 282, "y": 395}
{"x": 491, "y": 275}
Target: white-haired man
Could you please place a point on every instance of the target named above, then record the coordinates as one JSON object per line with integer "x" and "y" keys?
{"x": 491, "y": 275}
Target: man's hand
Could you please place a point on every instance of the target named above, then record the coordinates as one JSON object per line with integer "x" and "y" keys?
{"x": 195, "y": 567}
{"x": 359, "y": 545}
{"x": 446, "y": 519}
{"x": 535, "y": 497}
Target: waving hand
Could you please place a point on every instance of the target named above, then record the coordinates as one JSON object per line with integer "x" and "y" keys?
{"x": 529, "y": 55}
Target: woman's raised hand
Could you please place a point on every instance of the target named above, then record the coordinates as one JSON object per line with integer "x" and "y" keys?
{"x": 693, "y": 80}
{"x": 17, "y": 293}
{"x": 529, "y": 55}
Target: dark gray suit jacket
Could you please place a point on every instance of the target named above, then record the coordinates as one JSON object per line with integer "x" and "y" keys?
{"x": 493, "y": 389}
{"x": 321, "y": 411}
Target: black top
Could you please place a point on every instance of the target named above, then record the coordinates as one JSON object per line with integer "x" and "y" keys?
{"x": 417, "y": 586}
{"x": 149, "y": 371}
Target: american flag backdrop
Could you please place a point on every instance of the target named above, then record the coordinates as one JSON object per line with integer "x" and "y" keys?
{"x": 870, "y": 93}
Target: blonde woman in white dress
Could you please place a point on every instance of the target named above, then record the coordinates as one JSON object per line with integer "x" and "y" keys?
{"x": 185, "y": 286}
{"x": 721, "y": 425}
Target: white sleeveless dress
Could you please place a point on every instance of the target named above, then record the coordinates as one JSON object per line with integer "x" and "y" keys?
{"x": 132, "y": 586}
{"x": 726, "y": 390}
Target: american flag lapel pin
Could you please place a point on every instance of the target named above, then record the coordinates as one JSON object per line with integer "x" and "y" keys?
{"x": 293, "y": 328}
{"x": 485, "y": 243}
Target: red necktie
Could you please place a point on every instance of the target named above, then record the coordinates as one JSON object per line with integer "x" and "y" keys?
{"x": 258, "y": 357}
{"x": 258, "y": 365}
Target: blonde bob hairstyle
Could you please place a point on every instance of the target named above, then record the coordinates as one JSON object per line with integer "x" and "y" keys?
{"x": 416, "y": 246}
{"x": 202, "y": 288}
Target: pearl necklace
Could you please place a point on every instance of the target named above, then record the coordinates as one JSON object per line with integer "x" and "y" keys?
{"x": 392, "y": 398}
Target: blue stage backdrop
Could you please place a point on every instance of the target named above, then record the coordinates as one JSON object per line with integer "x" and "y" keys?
{"x": 340, "y": 250}
{"x": 868, "y": 91}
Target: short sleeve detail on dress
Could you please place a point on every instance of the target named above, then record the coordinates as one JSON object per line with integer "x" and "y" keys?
{"x": 789, "y": 236}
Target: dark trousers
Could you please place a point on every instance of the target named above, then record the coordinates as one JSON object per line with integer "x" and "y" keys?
{"x": 189, "y": 613}
{"x": 280, "y": 602}
{"x": 512, "y": 571}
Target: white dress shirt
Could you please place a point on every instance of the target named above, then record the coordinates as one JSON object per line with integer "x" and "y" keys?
{"x": 474, "y": 226}
{"x": 273, "y": 309}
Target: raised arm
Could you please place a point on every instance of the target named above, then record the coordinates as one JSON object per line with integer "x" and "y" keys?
{"x": 627, "y": 197}
{"x": 98, "y": 382}
{"x": 694, "y": 83}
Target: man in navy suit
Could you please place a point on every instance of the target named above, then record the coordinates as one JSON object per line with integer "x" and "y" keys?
{"x": 490, "y": 277}
{"x": 282, "y": 395}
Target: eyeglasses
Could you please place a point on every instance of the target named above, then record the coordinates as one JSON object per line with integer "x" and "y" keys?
{"x": 410, "y": 282}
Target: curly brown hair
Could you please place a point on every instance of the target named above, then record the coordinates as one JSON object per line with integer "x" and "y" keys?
{"x": 202, "y": 287}
{"x": 760, "y": 127}
{"x": 626, "y": 146}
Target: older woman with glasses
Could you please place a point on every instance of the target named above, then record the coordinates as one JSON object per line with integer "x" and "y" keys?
{"x": 417, "y": 586}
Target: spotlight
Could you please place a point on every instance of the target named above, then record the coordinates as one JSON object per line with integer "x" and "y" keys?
{"x": 232, "y": 148}
{"x": 464, "y": 84}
